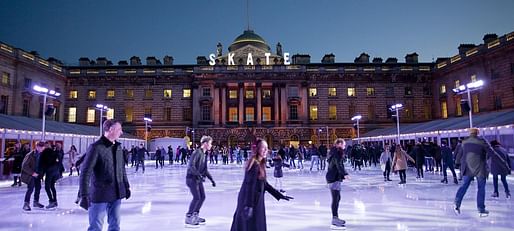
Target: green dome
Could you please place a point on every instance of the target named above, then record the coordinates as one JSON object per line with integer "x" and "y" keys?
{"x": 248, "y": 38}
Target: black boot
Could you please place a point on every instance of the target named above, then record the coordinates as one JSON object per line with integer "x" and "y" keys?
{"x": 445, "y": 180}
{"x": 455, "y": 180}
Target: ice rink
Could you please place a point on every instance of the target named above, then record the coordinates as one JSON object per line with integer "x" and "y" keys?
{"x": 160, "y": 199}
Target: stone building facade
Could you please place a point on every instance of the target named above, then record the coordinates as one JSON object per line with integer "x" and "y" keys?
{"x": 298, "y": 103}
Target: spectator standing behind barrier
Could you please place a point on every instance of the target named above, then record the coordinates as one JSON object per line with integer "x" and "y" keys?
{"x": 104, "y": 182}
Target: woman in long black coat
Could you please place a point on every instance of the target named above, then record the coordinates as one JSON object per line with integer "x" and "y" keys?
{"x": 250, "y": 212}
{"x": 500, "y": 165}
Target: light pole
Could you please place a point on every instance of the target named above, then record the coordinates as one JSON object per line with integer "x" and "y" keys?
{"x": 45, "y": 93}
{"x": 395, "y": 108}
{"x": 147, "y": 119}
{"x": 101, "y": 108}
{"x": 357, "y": 117}
{"x": 193, "y": 137}
{"x": 467, "y": 89}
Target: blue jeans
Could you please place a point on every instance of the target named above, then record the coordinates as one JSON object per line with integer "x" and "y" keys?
{"x": 97, "y": 213}
{"x": 480, "y": 193}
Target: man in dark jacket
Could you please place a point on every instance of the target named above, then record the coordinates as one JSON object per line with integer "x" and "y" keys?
{"x": 103, "y": 182}
{"x": 419, "y": 154}
{"x": 335, "y": 175}
{"x": 447, "y": 158}
{"x": 50, "y": 164}
{"x": 31, "y": 175}
{"x": 141, "y": 151}
{"x": 196, "y": 173}
{"x": 473, "y": 164}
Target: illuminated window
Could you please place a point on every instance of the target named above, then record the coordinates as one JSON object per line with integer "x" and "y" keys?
{"x": 91, "y": 94}
{"x": 6, "y": 78}
{"x": 232, "y": 114}
{"x": 129, "y": 111}
{"x": 293, "y": 112}
{"x": 72, "y": 115}
{"x": 351, "y": 91}
{"x": 266, "y": 113}
{"x": 473, "y": 78}
{"x": 266, "y": 94}
{"x": 476, "y": 109}
{"x": 249, "y": 94}
{"x": 444, "y": 110}
{"x": 167, "y": 93}
{"x": 186, "y": 93}
{"x": 249, "y": 114}
{"x": 370, "y": 91}
{"x": 458, "y": 108}
{"x": 332, "y": 91}
{"x": 313, "y": 112}
{"x": 457, "y": 83}
{"x": 110, "y": 114}
{"x": 313, "y": 92}
{"x": 442, "y": 89}
{"x": 73, "y": 94}
{"x": 332, "y": 112}
{"x": 148, "y": 93}
{"x": 129, "y": 93}
{"x": 110, "y": 94}
{"x": 90, "y": 115}
{"x": 232, "y": 94}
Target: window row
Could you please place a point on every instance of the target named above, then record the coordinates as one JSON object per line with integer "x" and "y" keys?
{"x": 129, "y": 93}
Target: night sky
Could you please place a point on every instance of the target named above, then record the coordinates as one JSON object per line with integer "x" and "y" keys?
{"x": 70, "y": 29}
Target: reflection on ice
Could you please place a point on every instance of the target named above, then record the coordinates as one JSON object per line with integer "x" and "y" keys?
{"x": 160, "y": 199}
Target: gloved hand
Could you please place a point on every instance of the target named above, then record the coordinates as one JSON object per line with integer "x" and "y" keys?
{"x": 213, "y": 184}
{"x": 128, "y": 194}
{"x": 287, "y": 198}
{"x": 247, "y": 212}
{"x": 84, "y": 203}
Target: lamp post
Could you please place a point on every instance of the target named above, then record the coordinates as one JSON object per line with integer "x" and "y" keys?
{"x": 467, "y": 89}
{"x": 395, "y": 108}
{"x": 147, "y": 119}
{"x": 45, "y": 93}
{"x": 357, "y": 117}
{"x": 101, "y": 108}
{"x": 193, "y": 137}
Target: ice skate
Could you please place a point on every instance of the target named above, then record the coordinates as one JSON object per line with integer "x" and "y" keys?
{"x": 338, "y": 224}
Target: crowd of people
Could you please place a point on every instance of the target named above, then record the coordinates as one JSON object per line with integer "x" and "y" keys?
{"x": 105, "y": 163}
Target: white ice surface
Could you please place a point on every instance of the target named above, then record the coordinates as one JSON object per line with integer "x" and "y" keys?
{"x": 160, "y": 200}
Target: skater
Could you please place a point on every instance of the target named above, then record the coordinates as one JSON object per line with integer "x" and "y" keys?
{"x": 385, "y": 163}
{"x": 141, "y": 151}
{"x": 170, "y": 155}
{"x": 158, "y": 156}
{"x": 103, "y": 182}
{"x": 31, "y": 175}
{"x": 196, "y": 173}
{"x": 447, "y": 158}
{"x": 72, "y": 158}
{"x": 323, "y": 156}
{"x": 400, "y": 163}
{"x": 500, "y": 165}
{"x": 250, "y": 212}
{"x": 473, "y": 165}
{"x": 50, "y": 164}
{"x": 314, "y": 156}
{"x": 18, "y": 154}
{"x": 419, "y": 153}
{"x": 277, "y": 173}
{"x": 335, "y": 175}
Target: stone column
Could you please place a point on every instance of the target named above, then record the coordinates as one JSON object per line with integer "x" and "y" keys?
{"x": 224, "y": 105}
{"x": 195, "y": 104}
{"x": 283, "y": 105}
{"x": 241, "y": 103}
{"x": 276, "y": 112}
{"x": 258, "y": 87}
{"x": 303, "y": 103}
{"x": 216, "y": 105}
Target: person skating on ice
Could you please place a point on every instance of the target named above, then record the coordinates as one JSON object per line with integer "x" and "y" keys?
{"x": 196, "y": 173}
{"x": 250, "y": 212}
{"x": 336, "y": 173}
